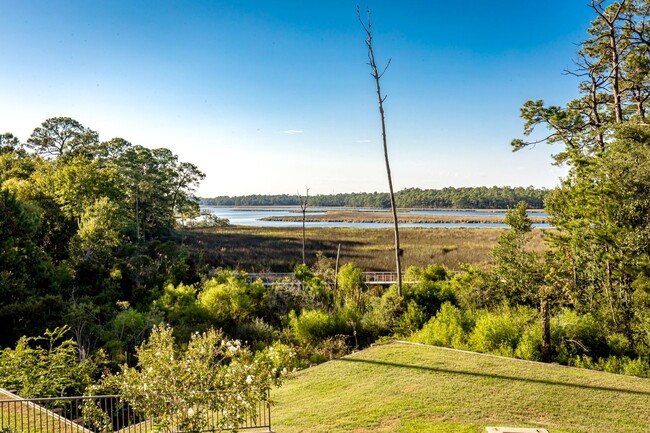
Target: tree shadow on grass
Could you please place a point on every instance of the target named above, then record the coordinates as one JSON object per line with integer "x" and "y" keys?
{"x": 495, "y": 376}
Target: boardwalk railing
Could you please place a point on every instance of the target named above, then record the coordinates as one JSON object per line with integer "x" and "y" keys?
{"x": 106, "y": 414}
{"x": 383, "y": 278}
{"x": 377, "y": 278}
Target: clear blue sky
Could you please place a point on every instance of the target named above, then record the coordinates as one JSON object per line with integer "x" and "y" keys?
{"x": 275, "y": 96}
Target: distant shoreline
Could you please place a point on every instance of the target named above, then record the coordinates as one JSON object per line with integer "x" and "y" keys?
{"x": 344, "y": 208}
{"x": 387, "y": 217}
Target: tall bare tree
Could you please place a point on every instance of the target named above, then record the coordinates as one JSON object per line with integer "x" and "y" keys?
{"x": 376, "y": 75}
{"x": 304, "y": 201}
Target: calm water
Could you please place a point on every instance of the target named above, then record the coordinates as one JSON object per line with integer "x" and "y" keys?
{"x": 252, "y": 217}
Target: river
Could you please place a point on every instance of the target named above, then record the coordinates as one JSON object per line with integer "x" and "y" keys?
{"x": 252, "y": 216}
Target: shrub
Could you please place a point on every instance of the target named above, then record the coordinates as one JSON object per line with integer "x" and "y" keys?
{"x": 473, "y": 289}
{"x": 411, "y": 320}
{"x": 613, "y": 364}
{"x": 636, "y": 367}
{"x": 325, "y": 350}
{"x": 530, "y": 343}
{"x": 351, "y": 284}
{"x": 383, "y": 313}
{"x": 302, "y": 273}
{"x": 499, "y": 333}
{"x": 36, "y": 371}
{"x": 256, "y": 333}
{"x": 578, "y": 335}
{"x": 429, "y": 293}
{"x": 176, "y": 382}
{"x": 179, "y": 303}
{"x": 231, "y": 297}
{"x": 312, "y": 326}
{"x": 431, "y": 273}
{"x": 446, "y": 329}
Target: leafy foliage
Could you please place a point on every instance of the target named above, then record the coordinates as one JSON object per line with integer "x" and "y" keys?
{"x": 175, "y": 388}
{"x": 450, "y": 197}
{"x": 46, "y": 366}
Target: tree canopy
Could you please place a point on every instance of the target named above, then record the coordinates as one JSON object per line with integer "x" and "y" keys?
{"x": 601, "y": 250}
{"x": 79, "y": 226}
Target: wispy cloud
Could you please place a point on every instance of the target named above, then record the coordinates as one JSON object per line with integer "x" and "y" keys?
{"x": 364, "y": 141}
{"x": 293, "y": 131}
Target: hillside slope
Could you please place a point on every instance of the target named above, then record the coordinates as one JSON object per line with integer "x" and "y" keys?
{"x": 401, "y": 387}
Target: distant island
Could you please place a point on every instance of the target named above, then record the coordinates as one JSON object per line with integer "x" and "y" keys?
{"x": 495, "y": 197}
{"x": 353, "y": 216}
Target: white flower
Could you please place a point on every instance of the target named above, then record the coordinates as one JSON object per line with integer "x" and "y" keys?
{"x": 249, "y": 379}
{"x": 190, "y": 412}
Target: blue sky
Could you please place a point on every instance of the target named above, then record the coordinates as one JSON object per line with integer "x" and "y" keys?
{"x": 274, "y": 96}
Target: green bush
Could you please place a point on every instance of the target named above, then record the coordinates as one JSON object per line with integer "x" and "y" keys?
{"x": 383, "y": 313}
{"x": 312, "y": 326}
{"x": 473, "y": 289}
{"x": 530, "y": 343}
{"x": 256, "y": 333}
{"x": 430, "y": 290}
{"x": 231, "y": 297}
{"x": 613, "y": 364}
{"x": 411, "y": 320}
{"x": 47, "y": 366}
{"x": 302, "y": 273}
{"x": 179, "y": 303}
{"x": 636, "y": 367}
{"x": 499, "y": 333}
{"x": 576, "y": 335}
{"x": 445, "y": 329}
{"x": 351, "y": 285}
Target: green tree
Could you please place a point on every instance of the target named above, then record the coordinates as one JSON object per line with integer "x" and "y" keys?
{"x": 100, "y": 231}
{"x": 600, "y": 210}
{"x": 26, "y": 273}
{"x": 518, "y": 272}
{"x": 61, "y": 135}
{"x": 9, "y": 143}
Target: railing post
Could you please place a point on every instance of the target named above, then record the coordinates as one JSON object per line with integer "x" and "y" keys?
{"x": 268, "y": 407}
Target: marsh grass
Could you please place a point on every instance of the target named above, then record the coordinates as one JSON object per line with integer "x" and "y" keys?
{"x": 278, "y": 249}
{"x": 377, "y": 216}
{"x": 399, "y": 387}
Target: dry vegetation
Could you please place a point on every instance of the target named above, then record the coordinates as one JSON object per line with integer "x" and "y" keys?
{"x": 355, "y": 216}
{"x": 279, "y": 249}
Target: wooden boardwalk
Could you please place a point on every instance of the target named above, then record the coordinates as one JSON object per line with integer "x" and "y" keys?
{"x": 371, "y": 278}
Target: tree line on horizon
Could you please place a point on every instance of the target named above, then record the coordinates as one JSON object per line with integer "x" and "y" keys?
{"x": 495, "y": 197}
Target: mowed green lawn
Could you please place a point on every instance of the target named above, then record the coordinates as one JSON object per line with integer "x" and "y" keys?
{"x": 402, "y": 387}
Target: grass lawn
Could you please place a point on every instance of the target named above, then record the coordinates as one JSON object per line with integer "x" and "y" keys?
{"x": 402, "y": 387}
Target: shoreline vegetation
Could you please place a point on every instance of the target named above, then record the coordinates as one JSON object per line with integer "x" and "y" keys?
{"x": 448, "y": 198}
{"x": 355, "y": 216}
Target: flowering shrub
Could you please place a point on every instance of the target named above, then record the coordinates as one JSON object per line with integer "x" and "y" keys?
{"x": 177, "y": 388}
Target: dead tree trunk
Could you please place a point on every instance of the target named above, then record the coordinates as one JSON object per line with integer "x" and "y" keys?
{"x": 303, "y": 208}
{"x": 377, "y": 77}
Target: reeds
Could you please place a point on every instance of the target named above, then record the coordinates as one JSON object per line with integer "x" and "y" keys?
{"x": 279, "y": 249}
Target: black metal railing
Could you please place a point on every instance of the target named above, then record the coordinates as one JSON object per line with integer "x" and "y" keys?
{"x": 109, "y": 414}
